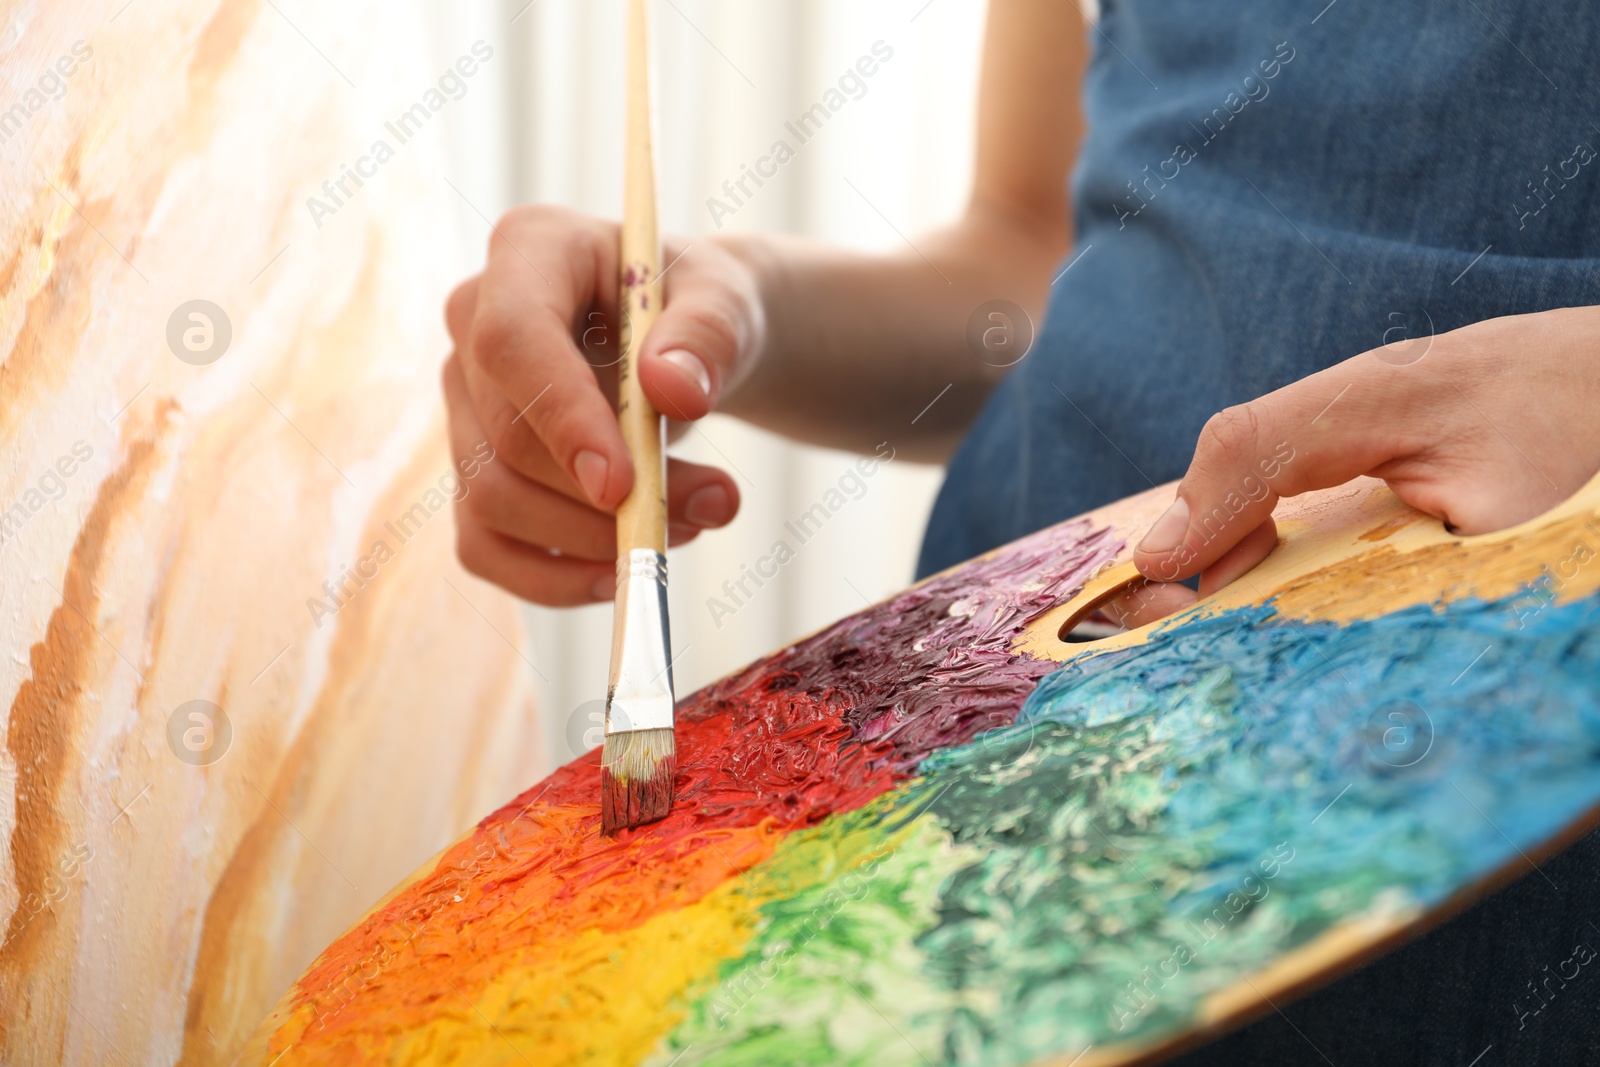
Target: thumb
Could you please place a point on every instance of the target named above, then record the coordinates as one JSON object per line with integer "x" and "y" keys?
{"x": 693, "y": 348}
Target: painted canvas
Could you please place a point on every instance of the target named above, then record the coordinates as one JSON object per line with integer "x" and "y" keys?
{"x": 936, "y": 832}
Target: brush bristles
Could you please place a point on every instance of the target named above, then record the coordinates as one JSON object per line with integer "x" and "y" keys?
{"x": 636, "y": 772}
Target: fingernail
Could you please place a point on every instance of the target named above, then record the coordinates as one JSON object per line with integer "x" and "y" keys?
{"x": 604, "y": 588}
{"x": 1169, "y": 530}
{"x": 590, "y": 469}
{"x": 691, "y": 366}
{"x": 707, "y": 506}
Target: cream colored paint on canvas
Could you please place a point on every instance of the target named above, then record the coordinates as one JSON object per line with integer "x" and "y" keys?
{"x": 152, "y": 909}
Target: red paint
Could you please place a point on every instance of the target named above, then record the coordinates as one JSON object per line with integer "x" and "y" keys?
{"x": 821, "y": 727}
{"x": 831, "y": 722}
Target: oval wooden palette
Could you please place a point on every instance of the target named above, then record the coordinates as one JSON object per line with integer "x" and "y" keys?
{"x": 937, "y": 832}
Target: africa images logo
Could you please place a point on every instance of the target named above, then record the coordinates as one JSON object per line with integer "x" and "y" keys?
{"x": 199, "y": 732}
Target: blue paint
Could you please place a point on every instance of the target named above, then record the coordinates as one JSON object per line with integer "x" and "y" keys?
{"x": 1125, "y": 825}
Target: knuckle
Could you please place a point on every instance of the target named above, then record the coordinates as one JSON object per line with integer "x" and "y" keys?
{"x": 530, "y": 216}
{"x": 494, "y": 342}
{"x": 512, "y": 343}
{"x": 717, "y": 326}
{"x": 496, "y": 349}
{"x": 1230, "y": 436}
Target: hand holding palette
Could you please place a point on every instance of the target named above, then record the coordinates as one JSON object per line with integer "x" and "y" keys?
{"x": 937, "y": 833}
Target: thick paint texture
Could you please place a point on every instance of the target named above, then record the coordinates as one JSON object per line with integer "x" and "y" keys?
{"x": 823, "y": 727}
{"x": 858, "y": 872}
{"x": 1164, "y": 821}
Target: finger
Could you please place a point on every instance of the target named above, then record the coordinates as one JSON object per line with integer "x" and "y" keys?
{"x": 504, "y": 501}
{"x": 1240, "y": 559}
{"x": 1152, "y": 601}
{"x": 700, "y": 497}
{"x": 540, "y": 505}
{"x": 531, "y": 573}
{"x": 506, "y": 424}
{"x": 1318, "y": 432}
{"x": 543, "y": 267}
{"x": 516, "y": 448}
{"x": 697, "y": 340}
{"x": 495, "y": 497}
{"x": 1147, "y": 602}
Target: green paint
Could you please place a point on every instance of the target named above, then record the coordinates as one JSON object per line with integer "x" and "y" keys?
{"x": 1159, "y": 825}
{"x": 845, "y": 902}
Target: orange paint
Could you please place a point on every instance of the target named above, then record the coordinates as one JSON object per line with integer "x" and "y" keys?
{"x": 43, "y": 723}
{"x": 536, "y": 882}
{"x": 1384, "y": 531}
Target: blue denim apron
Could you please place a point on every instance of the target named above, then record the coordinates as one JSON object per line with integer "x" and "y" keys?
{"x": 1269, "y": 187}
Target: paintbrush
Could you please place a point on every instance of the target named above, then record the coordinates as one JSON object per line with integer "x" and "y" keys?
{"x": 640, "y": 757}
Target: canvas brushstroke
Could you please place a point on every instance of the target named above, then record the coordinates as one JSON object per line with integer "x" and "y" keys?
{"x": 900, "y": 841}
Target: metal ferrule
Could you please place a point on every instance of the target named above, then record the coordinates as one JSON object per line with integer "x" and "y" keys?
{"x": 640, "y": 694}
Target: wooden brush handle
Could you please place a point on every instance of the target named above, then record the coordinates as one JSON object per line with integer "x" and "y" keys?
{"x": 642, "y": 518}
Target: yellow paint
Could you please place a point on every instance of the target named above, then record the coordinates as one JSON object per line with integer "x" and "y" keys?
{"x": 600, "y": 997}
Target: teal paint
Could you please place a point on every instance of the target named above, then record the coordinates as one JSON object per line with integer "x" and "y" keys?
{"x": 1158, "y": 824}
{"x": 1163, "y": 820}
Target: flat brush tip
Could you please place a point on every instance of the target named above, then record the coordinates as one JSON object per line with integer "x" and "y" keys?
{"x": 636, "y": 778}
